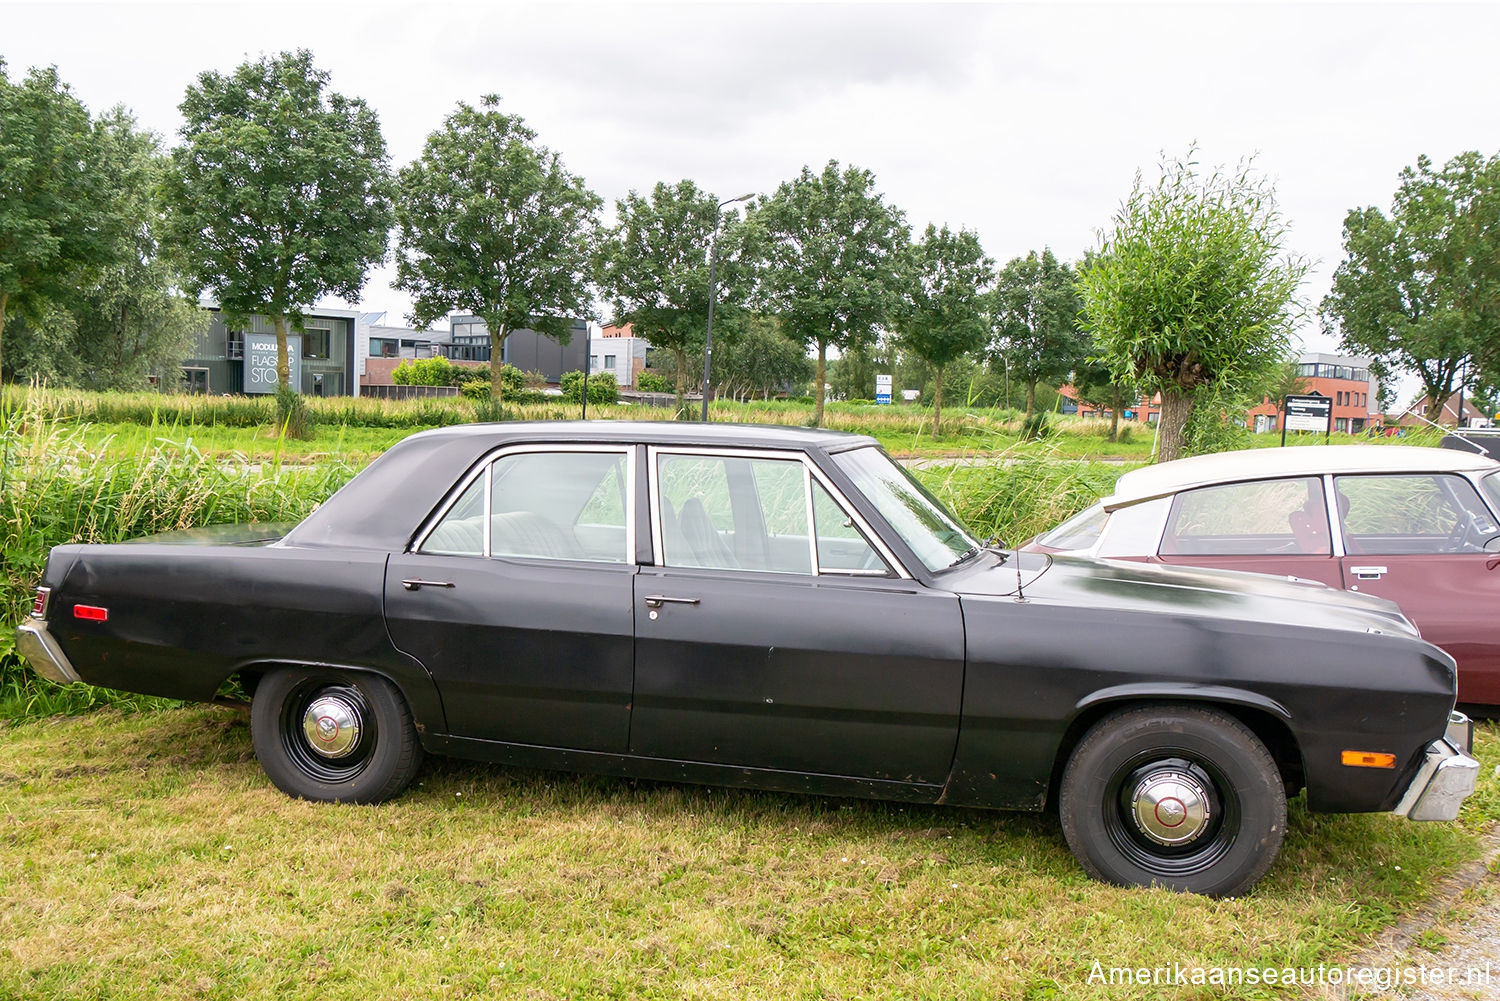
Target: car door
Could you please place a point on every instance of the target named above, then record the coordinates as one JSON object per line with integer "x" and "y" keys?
{"x": 1419, "y": 539}
{"x": 1276, "y": 526}
{"x": 773, "y": 631}
{"x": 518, "y": 599}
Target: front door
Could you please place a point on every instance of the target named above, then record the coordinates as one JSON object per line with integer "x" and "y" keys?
{"x": 772, "y": 634}
{"x": 518, "y": 600}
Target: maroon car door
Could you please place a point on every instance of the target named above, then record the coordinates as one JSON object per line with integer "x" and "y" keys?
{"x": 1418, "y": 539}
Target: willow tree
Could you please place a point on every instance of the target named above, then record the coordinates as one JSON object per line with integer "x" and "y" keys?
{"x": 1192, "y": 289}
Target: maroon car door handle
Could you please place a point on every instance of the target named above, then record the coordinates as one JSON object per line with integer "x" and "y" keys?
{"x": 1368, "y": 573}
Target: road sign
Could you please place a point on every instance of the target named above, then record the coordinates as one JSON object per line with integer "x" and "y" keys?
{"x": 882, "y": 389}
{"x": 260, "y": 362}
{"x": 1313, "y": 412}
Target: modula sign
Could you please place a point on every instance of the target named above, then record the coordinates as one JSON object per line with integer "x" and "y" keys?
{"x": 260, "y": 362}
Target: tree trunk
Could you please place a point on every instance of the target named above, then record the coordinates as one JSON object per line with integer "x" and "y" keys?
{"x": 1030, "y": 397}
{"x": 498, "y": 334}
{"x": 3, "y": 297}
{"x": 820, "y": 389}
{"x": 1114, "y": 417}
{"x": 1175, "y": 410}
{"x": 937, "y": 402}
{"x": 681, "y": 357}
{"x": 1435, "y": 407}
{"x": 283, "y": 364}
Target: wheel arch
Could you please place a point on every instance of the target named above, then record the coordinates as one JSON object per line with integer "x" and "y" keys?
{"x": 1264, "y": 717}
{"x": 425, "y": 708}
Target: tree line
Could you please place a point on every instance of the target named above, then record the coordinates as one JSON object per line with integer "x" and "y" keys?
{"x": 280, "y": 192}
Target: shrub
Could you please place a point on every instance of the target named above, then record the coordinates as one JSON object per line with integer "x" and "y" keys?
{"x": 437, "y": 371}
{"x": 1036, "y": 426}
{"x": 650, "y": 382}
{"x": 293, "y": 419}
{"x": 602, "y": 388}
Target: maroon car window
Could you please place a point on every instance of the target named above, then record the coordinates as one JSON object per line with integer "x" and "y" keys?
{"x": 1258, "y": 518}
{"x": 1412, "y": 513}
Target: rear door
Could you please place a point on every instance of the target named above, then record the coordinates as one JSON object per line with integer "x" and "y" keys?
{"x": 518, "y": 598}
{"x": 1419, "y": 540}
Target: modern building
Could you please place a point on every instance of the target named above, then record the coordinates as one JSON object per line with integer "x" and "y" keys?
{"x": 1344, "y": 379}
{"x": 241, "y": 357}
{"x": 527, "y": 350}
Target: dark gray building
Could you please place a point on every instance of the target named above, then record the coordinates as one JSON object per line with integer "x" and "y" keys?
{"x": 527, "y": 350}
{"x": 323, "y": 363}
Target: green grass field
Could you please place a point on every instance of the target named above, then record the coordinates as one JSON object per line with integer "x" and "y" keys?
{"x": 146, "y": 856}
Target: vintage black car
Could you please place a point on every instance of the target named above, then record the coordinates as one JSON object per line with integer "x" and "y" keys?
{"x": 771, "y": 607}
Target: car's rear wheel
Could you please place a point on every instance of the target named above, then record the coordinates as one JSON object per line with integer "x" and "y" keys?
{"x": 1173, "y": 796}
{"x": 334, "y": 736}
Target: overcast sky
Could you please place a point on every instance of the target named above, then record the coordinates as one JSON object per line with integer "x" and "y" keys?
{"x": 1024, "y": 123}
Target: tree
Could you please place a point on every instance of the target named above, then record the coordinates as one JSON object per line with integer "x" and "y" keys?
{"x": 830, "y": 248}
{"x": 1420, "y": 290}
{"x": 1096, "y": 385}
{"x": 653, "y": 264}
{"x": 759, "y": 358}
{"x": 490, "y": 222}
{"x": 1191, "y": 288}
{"x": 52, "y": 202}
{"x": 940, "y": 315}
{"x": 280, "y": 192}
{"x": 1035, "y": 313}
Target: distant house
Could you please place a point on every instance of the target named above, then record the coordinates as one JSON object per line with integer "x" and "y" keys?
{"x": 619, "y": 351}
{"x": 1472, "y": 415}
{"x": 1143, "y": 410}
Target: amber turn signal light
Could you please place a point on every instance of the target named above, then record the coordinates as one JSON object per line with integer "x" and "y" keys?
{"x": 1368, "y": 759}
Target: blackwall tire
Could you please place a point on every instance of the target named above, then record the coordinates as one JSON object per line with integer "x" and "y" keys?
{"x": 1174, "y": 796}
{"x": 334, "y": 736}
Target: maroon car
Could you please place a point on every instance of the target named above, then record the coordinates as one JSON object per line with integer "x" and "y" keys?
{"x": 1420, "y": 526}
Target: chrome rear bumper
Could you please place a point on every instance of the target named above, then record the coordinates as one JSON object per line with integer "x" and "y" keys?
{"x": 36, "y": 644}
{"x": 1447, "y": 775}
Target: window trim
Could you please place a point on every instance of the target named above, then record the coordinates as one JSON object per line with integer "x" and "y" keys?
{"x": 810, "y": 469}
{"x": 482, "y": 468}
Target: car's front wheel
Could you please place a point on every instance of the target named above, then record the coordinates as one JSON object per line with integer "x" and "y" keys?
{"x": 1173, "y": 796}
{"x": 334, "y": 736}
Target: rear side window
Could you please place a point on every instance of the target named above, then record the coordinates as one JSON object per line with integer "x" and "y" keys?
{"x": 1264, "y": 517}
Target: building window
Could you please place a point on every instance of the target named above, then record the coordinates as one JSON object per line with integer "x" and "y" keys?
{"x": 384, "y": 347}
{"x": 1341, "y": 424}
{"x": 315, "y": 342}
{"x": 593, "y": 363}
{"x": 609, "y": 362}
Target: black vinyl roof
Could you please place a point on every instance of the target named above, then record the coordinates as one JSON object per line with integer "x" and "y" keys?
{"x": 383, "y": 506}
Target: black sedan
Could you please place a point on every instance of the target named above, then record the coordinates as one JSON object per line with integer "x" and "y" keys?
{"x": 769, "y": 607}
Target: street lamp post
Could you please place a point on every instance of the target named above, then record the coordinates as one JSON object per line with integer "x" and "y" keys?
{"x": 713, "y": 260}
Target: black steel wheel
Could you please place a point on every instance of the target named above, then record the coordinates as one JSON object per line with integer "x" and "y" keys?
{"x": 1173, "y": 796}
{"x": 334, "y": 736}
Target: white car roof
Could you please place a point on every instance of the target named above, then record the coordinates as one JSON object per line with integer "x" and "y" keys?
{"x": 1302, "y": 460}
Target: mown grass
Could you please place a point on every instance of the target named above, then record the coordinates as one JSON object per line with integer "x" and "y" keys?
{"x": 146, "y": 856}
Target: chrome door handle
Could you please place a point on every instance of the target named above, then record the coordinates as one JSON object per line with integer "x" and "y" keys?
{"x": 658, "y": 600}
{"x": 416, "y": 584}
{"x": 1368, "y": 573}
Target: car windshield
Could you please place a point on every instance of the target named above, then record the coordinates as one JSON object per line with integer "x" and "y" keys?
{"x": 931, "y": 532}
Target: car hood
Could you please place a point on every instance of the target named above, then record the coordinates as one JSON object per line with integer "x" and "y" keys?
{"x": 1123, "y": 584}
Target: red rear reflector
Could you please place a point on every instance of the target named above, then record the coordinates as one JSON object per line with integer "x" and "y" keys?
{"x": 91, "y": 613}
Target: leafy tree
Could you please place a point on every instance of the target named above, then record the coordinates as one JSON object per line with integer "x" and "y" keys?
{"x": 653, "y": 264}
{"x": 1191, "y": 288}
{"x": 1035, "y": 313}
{"x": 490, "y": 222}
{"x": 760, "y": 358}
{"x": 851, "y": 376}
{"x": 1419, "y": 290}
{"x": 280, "y": 192}
{"x": 54, "y": 207}
{"x": 831, "y": 248}
{"x": 940, "y": 313}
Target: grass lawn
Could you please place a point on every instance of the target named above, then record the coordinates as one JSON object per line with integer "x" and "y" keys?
{"x": 145, "y": 856}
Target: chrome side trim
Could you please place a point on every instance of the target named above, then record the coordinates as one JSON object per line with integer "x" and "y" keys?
{"x": 35, "y": 643}
{"x": 1445, "y": 780}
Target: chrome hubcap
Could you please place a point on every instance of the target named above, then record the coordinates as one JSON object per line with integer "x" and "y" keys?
{"x": 332, "y": 726}
{"x": 1170, "y": 807}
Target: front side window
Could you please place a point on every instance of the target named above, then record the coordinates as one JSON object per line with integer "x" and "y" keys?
{"x": 1263, "y": 517}
{"x": 1412, "y": 513}
{"x": 934, "y": 535}
{"x": 564, "y": 505}
{"x": 1079, "y": 532}
{"x": 1492, "y": 488}
{"x": 755, "y": 513}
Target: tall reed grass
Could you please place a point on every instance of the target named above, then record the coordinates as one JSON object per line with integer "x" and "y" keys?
{"x": 56, "y": 488}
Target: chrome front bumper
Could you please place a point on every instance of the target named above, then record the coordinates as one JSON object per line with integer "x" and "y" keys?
{"x": 36, "y": 644}
{"x": 1447, "y": 775}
